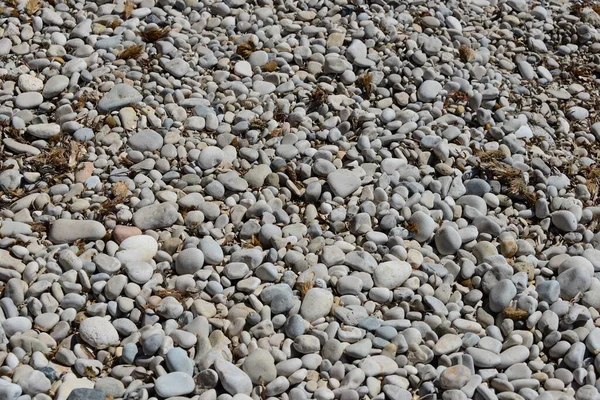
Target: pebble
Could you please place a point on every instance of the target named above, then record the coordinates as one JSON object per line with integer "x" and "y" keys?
{"x": 234, "y": 380}
{"x": 341, "y": 202}
{"x": 98, "y": 332}
{"x": 174, "y": 384}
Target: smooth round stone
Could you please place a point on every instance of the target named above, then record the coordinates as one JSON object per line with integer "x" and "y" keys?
{"x": 455, "y": 377}
{"x": 174, "y": 384}
{"x": 29, "y": 100}
{"x": 146, "y": 140}
{"x": 564, "y": 220}
{"x": 316, "y": 304}
{"x": 18, "y": 324}
{"x": 139, "y": 271}
{"x": 447, "y": 240}
{"x": 378, "y": 366}
{"x": 513, "y": 355}
{"x": 210, "y": 157}
{"x": 178, "y": 361}
{"x": 44, "y": 131}
{"x": 243, "y": 69}
{"x": 98, "y": 333}
{"x": 501, "y": 295}
{"x": 307, "y": 344}
{"x": 260, "y": 367}
{"x": 137, "y": 247}
{"x": 343, "y": 182}
{"x": 83, "y": 134}
{"x": 424, "y": 226}
{"x": 55, "y": 86}
{"x": 548, "y": 291}
{"x": 447, "y": 344}
{"x": 428, "y": 91}
{"x": 118, "y": 97}
{"x": 70, "y": 230}
{"x": 391, "y": 274}
{"x": 574, "y": 282}
{"x": 29, "y": 83}
{"x": 234, "y": 380}
{"x": 156, "y": 216}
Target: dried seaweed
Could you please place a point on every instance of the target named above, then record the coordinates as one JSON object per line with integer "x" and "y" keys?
{"x": 132, "y": 52}
{"x": 58, "y": 160}
{"x": 152, "y": 35}
{"x": 32, "y": 7}
{"x": 270, "y": 66}
{"x": 365, "y": 82}
{"x": 318, "y": 96}
{"x": 128, "y": 9}
{"x": 245, "y": 49}
{"x": 515, "y": 314}
{"x": 466, "y": 53}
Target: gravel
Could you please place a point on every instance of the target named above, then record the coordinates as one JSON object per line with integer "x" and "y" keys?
{"x": 318, "y": 200}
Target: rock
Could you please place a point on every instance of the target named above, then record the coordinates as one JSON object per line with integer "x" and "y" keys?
{"x": 44, "y": 131}
{"x": 86, "y": 394}
{"x": 156, "y": 216}
{"x": 174, "y": 384}
{"x": 146, "y": 140}
{"x": 98, "y": 333}
{"x": 316, "y": 304}
{"x": 455, "y": 377}
{"x": 447, "y": 240}
{"x": 234, "y": 380}
{"x": 189, "y": 261}
{"x": 70, "y": 230}
{"x": 501, "y": 295}
{"x": 574, "y": 282}
{"x": 564, "y": 220}
{"x": 119, "y": 96}
{"x": 391, "y": 274}
{"x": 428, "y": 91}
{"x": 378, "y": 366}
{"x": 260, "y": 367}
{"x": 55, "y": 86}
{"x": 343, "y": 182}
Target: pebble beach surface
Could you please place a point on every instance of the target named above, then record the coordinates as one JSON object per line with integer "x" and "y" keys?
{"x": 256, "y": 199}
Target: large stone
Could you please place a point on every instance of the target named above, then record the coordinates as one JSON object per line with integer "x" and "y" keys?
{"x": 156, "y": 216}
{"x": 70, "y": 230}
{"x": 119, "y": 96}
{"x": 316, "y": 304}
{"x": 343, "y": 182}
{"x": 98, "y": 332}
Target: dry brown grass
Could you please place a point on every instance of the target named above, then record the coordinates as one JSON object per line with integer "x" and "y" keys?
{"x": 304, "y": 287}
{"x": 154, "y": 34}
{"x": 515, "y": 314}
{"x": 245, "y": 49}
{"x": 456, "y": 96}
{"x": 258, "y": 124}
{"x": 365, "y": 82}
{"x": 113, "y": 24}
{"x": 491, "y": 155}
{"x": 412, "y": 227}
{"x": 132, "y": 52}
{"x": 128, "y": 9}
{"x": 58, "y": 160}
{"x": 592, "y": 177}
{"x": 318, "y": 96}
{"x": 466, "y": 53}
{"x": 32, "y": 7}
{"x": 512, "y": 177}
{"x": 270, "y": 66}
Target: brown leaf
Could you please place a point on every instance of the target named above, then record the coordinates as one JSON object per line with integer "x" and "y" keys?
{"x": 32, "y": 7}
{"x": 128, "y": 10}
